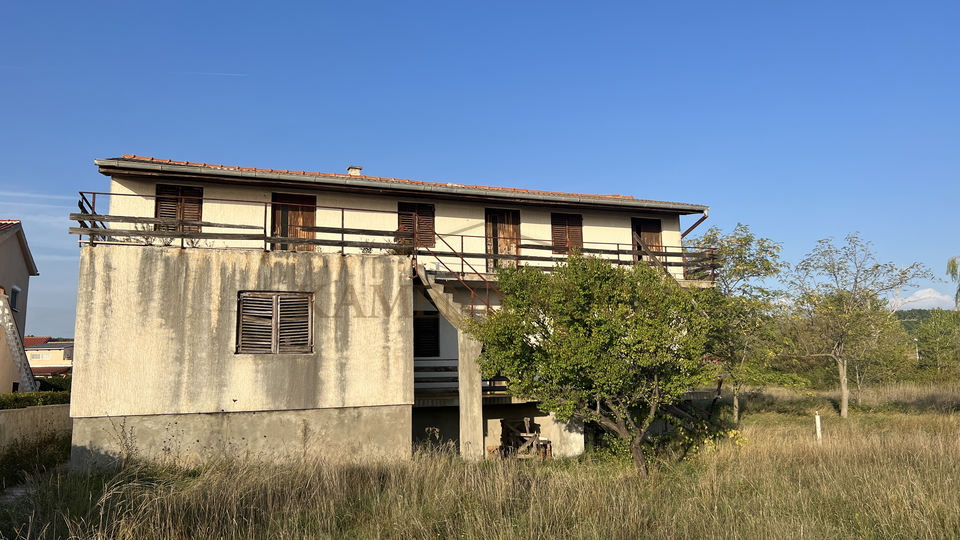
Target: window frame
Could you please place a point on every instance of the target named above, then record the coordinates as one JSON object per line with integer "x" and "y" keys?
{"x": 14, "y": 297}
{"x": 251, "y": 326}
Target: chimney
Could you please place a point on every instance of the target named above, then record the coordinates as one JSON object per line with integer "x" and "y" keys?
{"x": 354, "y": 170}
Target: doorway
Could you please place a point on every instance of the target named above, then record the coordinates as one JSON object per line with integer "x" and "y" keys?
{"x": 503, "y": 237}
{"x": 291, "y": 214}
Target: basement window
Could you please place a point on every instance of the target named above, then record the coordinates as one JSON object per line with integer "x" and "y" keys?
{"x": 274, "y": 322}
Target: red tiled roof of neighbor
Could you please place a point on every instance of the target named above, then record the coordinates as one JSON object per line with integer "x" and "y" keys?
{"x": 51, "y": 370}
{"x": 33, "y": 341}
{"x": 399, "y": 180}
{"x": 8, "y": 223}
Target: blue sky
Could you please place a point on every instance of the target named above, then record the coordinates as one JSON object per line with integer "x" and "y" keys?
{"x": 804, "y": 120}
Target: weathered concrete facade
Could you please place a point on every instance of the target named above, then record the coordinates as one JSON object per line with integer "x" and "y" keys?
{"x": 157, "y": 336}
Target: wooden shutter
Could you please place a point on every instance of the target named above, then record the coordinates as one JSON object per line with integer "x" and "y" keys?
{"x": 191, "y": 207}
{"x": 166, "y": 206}
{"x": 425, "y": 216}
{"x": 179, "y": 202}
{"x": 291, "y": 213}
{"x": 275, "y": 323}
{"x": 293, "y": 327}
{"x": 255, "y": 334}
{"x": 566, "y": 232}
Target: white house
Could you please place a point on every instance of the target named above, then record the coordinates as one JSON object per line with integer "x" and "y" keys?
{"x": 240, "y": 311}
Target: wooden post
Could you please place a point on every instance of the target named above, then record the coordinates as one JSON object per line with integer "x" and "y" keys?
{"x": 819, "y": 429}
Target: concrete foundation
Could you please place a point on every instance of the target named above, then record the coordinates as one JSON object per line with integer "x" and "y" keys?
{"x": 354, "y": 435}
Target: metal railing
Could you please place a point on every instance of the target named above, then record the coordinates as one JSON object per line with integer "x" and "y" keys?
{"x": 347, "y": 231}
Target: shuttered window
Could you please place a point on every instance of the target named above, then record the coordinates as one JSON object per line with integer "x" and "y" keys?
{"x": 566, "y": 232}
{"x": 183, "y": 203}
{"x": 425, "y": 221}
{"x": 275, "y": 323}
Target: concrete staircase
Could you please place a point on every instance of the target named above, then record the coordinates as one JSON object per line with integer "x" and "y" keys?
{"x": 27, "y": 382}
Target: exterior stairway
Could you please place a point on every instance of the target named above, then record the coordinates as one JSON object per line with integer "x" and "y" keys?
{"x": 15, "y": 343}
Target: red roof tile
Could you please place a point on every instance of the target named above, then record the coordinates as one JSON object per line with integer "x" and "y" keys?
{"x": 33, "y": 341}
{"x": 134, "y": 157}
{"x": 8, "y": 224}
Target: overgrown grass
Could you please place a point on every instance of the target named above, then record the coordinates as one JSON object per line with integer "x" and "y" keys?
{"x": 34, "y": 457}
{"x": 876, "y": 475}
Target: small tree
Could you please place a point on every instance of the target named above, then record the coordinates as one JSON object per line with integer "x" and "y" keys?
{"x": 939, "y": 341}
{"x": 838, "y": 295}
{"x": 747, "y": 339}
{"x": 596, "y": 342}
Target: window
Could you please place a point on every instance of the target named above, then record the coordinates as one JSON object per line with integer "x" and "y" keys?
{"x": 275, "y": 323}
{"x": 40, "y": 356}
{"x": 184, "y": 203}
{"x": 426, "y": 333}
{"x": 15, "y": 298}
{"x": 425, "y": 218}
{"x": 291, "y": 214}
{"x": 566, "y": 232}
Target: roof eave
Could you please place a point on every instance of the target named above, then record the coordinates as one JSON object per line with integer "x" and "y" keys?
{"x": 347, "y": 180}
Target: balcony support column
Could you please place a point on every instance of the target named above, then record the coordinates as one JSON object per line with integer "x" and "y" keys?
{"x": 471, "y": 398}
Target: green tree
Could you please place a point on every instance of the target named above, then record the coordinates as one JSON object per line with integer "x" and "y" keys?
{"x": 747, "y": 339}
{"x": 839, "y": 303}
{"x": 939, "y": 341}
{"x": 597, "y": 342}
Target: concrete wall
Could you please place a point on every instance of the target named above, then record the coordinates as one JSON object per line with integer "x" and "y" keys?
{"x": 343, "y": 434}
{"x": 156, "y": 335}
{"x": 31, "y": 423}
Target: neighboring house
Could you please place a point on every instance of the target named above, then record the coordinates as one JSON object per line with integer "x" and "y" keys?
{"x": 50, "y": 358}
{"x": 16, "y": 267}
{"x": 238, "y": 311}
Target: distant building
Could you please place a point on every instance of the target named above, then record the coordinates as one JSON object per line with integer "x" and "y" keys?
{"x": 239, "y": 311}
{"x": 50, "y": 358}
{"x": 16, "y": 267}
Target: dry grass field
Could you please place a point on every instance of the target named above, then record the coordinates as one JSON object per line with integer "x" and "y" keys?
{"x": 891, "y": 471}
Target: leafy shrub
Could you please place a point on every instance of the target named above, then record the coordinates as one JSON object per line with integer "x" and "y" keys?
{"x": 55, "y": 384}
{"x": 20, "y": 400}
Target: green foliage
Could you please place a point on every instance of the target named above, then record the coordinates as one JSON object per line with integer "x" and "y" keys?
{"x": 939, "y": 342}
{"x": 55, "y": 384}
{"x": 839, "y": 310}
{"x": 19, "y": 400}
{"x": 910, "y": 319}
{"x": 597, "y": 342}
{"x": 747, "y": 338}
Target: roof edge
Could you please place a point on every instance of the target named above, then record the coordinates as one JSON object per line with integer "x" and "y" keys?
{"x": 320, "y": 179}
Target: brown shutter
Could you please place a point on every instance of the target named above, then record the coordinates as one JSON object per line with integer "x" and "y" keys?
{"x": 294, "y": 323}
{"x": 425, "y": 216}
{"x": 191, "y": 207}
{"x": 179, "y": 202}
{"x": 166, "y": 206}
{"x": 566, "y": 232}
{"x": 255, "y": 334}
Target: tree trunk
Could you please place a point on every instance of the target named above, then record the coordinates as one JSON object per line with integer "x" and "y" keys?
{"x": 844, "y": 388}
{"x": 638, "y": 459}
{"x": 736, "y": 407}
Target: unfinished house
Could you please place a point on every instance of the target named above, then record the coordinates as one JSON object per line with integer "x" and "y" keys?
{"x": 16, "y": 267}
{"x": 257, "y": 312}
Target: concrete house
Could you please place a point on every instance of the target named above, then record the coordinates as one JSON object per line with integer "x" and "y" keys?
{"x": 50, "y": 358}
{"x": 259, "y": 312}
{"x": 16, "y": 267}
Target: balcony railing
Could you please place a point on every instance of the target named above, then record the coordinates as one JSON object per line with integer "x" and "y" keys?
{"x": 254, "y": 224}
